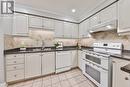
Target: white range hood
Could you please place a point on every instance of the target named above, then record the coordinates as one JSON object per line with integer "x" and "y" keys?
{"x": 107, "y": 26}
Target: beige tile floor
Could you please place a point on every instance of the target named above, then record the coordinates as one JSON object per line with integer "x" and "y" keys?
{"x": 73, "y": 78}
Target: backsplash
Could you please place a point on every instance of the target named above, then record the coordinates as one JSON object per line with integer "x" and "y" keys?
{"x": 35, "y": 40}
{"x": 37, "y": 36}
{"x": 109, "y": 36}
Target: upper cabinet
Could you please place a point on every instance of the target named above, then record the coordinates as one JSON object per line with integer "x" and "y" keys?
{"x": 67, "y": 29}
{"x": 124, "y": 16}
{"x": 39, "y": 22}
{"x": 95, "y": 20}
{"x": 109, "y": 14}
{"x": 74, "y": 31}
{"x": 59, "y": 25}
{"x": 7, "y": 20}
{"x": 20, "y": 25}
{"x": 48, "y": 24}
{"x": 84, "y": 29}
{"x": 35, "y": 22}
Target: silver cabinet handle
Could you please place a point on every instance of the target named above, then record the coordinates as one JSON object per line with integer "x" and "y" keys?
{"x": 15, "y": 75}
{"x": 15, "y": 62}
{"x": 126, "y": 78}
{"x": 113, "y": 62}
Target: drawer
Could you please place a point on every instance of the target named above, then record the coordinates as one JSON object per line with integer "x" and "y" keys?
{"x": 14, "y": 67}
{"x": 14, "y": 56}
{"x": 15, "y": 75}
{"x": 15, "y": 61}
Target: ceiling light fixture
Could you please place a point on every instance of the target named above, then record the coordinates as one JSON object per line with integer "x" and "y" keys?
{"x": 73, "y": 10}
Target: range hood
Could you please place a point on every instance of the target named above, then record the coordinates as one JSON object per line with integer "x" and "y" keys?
{"x": 107, "y": 26}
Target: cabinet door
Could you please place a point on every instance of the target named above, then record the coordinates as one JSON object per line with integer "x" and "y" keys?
{"x": 32, "y": 65}
{"x": 124, "y": 16}
{"x": 48, "y": 24}
{"x": 109, "y": 14}
{"x": 74, "y": 59}
{"x": 59, "y": 29}
{"x": 7, "y": 24}
{"x": 84, "y": 29}
{"x": 119, "y": 76}
{"x": 35, "y": 22}
{"x": 95, "y": 20}
{"x": 81, "y": 30}
{"x": 74, "y": 31}
{"x": 20, "y": 24}
{"x": 48, "y": 63}
{"x": 80, "y": 59}
{"x": 63, "y": 59}
{"x": 67, "y": 29}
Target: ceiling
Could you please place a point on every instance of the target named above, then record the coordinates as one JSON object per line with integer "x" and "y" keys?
{"x": 62, "y": 7}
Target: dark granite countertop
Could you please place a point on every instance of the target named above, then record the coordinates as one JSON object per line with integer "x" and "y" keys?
{"x": 38, "y": 49}
{"x": 126, "y": 68}
{"x": 125, "y": 55}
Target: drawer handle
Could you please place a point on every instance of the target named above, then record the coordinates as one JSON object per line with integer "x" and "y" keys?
{"x": 14, "y": 56}
{"x": 15, "y": 75}
{"x": 126, "y": 78}
{"x": 15, "y": 67}
{"x": 15, "y": 62}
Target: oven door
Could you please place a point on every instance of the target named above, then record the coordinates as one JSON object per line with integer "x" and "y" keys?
{"x": 96, "y": 74}
{"x": 98, "y": 60}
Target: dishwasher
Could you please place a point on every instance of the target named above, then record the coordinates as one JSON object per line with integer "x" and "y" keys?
{"x": 63, "y": 61}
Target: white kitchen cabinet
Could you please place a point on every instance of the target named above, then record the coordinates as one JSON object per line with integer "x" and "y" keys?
{"x": 84, "y": 29}
{"x": 80, "y": 54}
{"x": 14, "y": 67}
{"x": 20, "y": 25}
{"x": 67, "y": 30}
{"x": 109, "y": 14}
{"x": 119, "y": 76}
{"x": 35, "y": 22}
{"x": 74, "y": 31}
{"x": 59, "y": 26}
{"x": 48, "y": 24}
{"x": 95, "y": 20}
{"x": 7, "y": 24}
{"x": 63, "y": 61}
{"x": 32, "y": 65}
{"x": 74, "y": 59}
{"x": 124, "y": 16}
{"x": 48, "y": 63}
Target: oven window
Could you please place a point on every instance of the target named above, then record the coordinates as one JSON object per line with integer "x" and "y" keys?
{"x": 94, "y": 59}
{"x": 95, "y": 74}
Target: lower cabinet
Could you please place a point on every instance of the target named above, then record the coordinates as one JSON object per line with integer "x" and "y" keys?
{"x": 120, "y": 78}
{"x": 48, "y": 63}
{"x": 80, "y": 59}
{"x": 32, "y": 65}
{"x": 14, "y": 67}
{"x": 81, "y": 55}
{"x": 74, "y": 59}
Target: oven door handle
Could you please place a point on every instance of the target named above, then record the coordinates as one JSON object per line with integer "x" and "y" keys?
{"x": 99, "y": 68}
{"x": 98, "y": 56}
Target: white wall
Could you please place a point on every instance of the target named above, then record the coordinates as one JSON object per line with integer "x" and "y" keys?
{"x": 2, "y": 76}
